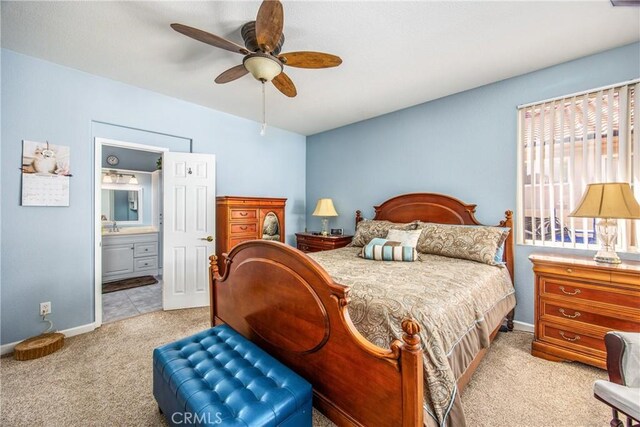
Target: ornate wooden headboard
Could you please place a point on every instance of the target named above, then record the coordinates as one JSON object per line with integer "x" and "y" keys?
{"x": 441, "y": 209}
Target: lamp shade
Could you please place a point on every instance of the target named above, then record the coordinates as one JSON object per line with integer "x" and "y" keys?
{"x": 610, "y": 200}
{"x": 325, "y": 208}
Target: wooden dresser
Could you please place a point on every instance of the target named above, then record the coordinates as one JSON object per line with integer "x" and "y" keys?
{"x": 577, "y": 301}
{"x": 308, "y": 242}
{"x": 243, "y": 218}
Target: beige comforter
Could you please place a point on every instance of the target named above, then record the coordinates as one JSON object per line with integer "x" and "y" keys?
{"x": 457, "y": 302}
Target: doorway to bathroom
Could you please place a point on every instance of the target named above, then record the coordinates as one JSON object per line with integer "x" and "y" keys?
{"x": 130, "y": 199}
{"x": 170, "y": 246}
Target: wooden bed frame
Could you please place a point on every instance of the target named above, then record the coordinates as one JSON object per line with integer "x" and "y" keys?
{"x": 285, "y": 302}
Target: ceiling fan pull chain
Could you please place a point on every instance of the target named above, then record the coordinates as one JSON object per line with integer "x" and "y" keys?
{"x": 263, "y": 128}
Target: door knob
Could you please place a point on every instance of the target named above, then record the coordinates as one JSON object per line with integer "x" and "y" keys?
{"x": 208, "y": 238}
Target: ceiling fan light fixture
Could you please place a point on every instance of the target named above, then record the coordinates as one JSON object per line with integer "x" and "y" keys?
{"x": 262, "y": 66}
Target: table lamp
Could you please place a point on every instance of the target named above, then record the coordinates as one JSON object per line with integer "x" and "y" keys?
{"x": 325, "y": 208}
{"x": 609, "y": 202}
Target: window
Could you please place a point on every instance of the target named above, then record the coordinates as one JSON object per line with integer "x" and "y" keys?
{"x": 565, "y": 144}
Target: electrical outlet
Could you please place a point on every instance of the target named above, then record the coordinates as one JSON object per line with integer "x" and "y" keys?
{"x": 45, "y": 308}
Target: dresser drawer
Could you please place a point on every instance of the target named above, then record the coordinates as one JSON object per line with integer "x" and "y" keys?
{"x": 550, "y": 310}
{"x": 244, "y": 228}
{"x": 585, "y": 292}
{"x": 581, "y": 273}
{"x": 145, "y": 249}
{"x": 235, "y": 240}
{"x": 150, "y": 263}
{"x": 573, "y": 338}
{"x": 244, "y": 214}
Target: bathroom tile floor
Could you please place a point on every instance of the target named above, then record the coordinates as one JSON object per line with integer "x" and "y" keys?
{"x": 131, "y": 302}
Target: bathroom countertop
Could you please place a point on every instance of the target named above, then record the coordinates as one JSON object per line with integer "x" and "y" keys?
{"x": 106, "y": 231}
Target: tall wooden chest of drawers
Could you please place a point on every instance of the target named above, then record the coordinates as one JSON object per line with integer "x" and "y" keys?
{"x": 243, "y": 218}
{"x": 577, "y": 301}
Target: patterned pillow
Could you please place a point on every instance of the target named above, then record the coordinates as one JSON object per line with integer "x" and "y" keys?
{"x": 369, "y": 229}
{"x": 385, "y": 250}
{"x": 405, "y": 237}
{"x": 475, "y": 243}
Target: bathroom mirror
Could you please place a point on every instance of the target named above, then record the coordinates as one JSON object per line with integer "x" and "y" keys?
{"x": 271, "y": 227}
{"x": 123, "y": 205}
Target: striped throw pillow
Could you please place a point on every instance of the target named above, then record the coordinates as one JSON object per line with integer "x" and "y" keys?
{"x": 385, "y": 250}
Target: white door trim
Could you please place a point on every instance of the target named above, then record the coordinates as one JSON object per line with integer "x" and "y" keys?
{"x": 97, "y": 187}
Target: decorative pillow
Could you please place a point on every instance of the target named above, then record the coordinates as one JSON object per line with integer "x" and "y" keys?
{"x": 405, "y": 237}
{"x": 385, "y": 250}
{"x": 369, "y": 229}
{"x": 475, "y": 243}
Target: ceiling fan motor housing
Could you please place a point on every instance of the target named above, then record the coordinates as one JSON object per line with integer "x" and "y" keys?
{"x": 248, "y": 32}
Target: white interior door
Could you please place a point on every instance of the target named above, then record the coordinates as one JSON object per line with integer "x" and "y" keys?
{"x": 188, "y": 227}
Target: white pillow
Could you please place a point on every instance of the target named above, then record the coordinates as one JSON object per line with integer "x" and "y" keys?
{"x": 405, "y": 237}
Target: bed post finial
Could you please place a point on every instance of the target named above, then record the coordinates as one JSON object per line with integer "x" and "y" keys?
{"x": 213, "y": 264}
{"x": 411, "y": 329}
{"x": 358, "y": 217}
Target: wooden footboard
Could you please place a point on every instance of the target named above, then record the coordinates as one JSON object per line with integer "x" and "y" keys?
{"x": 287, "y": 304}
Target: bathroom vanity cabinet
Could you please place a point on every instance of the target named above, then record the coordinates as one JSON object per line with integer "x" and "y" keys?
{"x": 129, "y": 255}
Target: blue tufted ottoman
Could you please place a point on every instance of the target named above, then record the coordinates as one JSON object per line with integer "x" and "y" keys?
{"x": 219, "y": 378}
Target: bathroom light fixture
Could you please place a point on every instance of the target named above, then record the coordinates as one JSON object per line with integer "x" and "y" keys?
{"x": 133, "y": 180}
{"x": 106, "y": 179}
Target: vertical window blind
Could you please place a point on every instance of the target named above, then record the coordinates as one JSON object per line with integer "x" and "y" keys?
{"x": 565, "y": 144}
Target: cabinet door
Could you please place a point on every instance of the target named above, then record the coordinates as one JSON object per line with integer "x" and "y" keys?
{"x": 117, "y": 259}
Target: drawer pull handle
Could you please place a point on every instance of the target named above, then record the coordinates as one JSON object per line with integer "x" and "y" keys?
{"x": 244, "y": 213}
{"x": 243, "y": 228}
{"x": 571, "y": 316}
{"x": 576, "y": 292}
{"x": 575, "y": 338}
{"x": 569, "y": 270}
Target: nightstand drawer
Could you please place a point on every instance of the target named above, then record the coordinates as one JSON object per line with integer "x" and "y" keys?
{"x": 550, "y": 310}
{"x": 581, "y": 273}
{"x": 626, "y": 278}
{"x": 573, "y": 339}
{"x": 575, "y": 291}
{"x": 244, "y": 214}
{"x": 244, "y": 228}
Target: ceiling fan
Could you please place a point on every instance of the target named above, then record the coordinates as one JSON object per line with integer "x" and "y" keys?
{"x": 263, "y": 39}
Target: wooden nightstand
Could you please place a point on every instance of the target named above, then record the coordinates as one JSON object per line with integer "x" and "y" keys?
{"x": 308, "y": 242}
{"x": 577, "y": 301}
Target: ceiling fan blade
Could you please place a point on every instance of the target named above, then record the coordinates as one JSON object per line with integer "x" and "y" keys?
{"x": 269, "y": 24}
{"x": 310, "y": 59}
{"x": 284, "y": 84}
{"x": 231, "y": 74}
{"x": 208, "y": 38}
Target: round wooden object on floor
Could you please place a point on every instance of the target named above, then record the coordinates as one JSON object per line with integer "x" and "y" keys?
{"x": 39, "y": 346}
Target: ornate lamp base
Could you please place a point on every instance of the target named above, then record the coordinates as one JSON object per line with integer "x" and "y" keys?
{"x": 607, "y": 232}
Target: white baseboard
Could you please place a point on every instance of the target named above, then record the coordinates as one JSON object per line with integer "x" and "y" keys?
{"x": 522, "y": 326}
{"x": 8, "y": 348}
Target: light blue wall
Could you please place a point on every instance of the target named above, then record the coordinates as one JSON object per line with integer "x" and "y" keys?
{"x": 133, "y": 160}
{"x": 50, "y": 250}
{"x": 463, "y": 145}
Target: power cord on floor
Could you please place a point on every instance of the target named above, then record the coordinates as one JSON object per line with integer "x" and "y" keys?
{"x": 50, "y": 328}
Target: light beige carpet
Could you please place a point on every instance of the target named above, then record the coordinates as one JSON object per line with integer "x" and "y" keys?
{"x": 103, "y": 378}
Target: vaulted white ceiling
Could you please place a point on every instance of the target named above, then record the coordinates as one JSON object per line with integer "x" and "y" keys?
{"x": 396, "y": 53}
